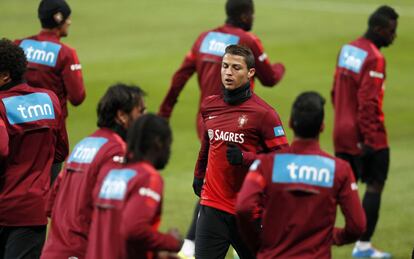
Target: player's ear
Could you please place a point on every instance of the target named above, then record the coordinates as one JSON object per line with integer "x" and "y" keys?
{"x": 5, "y": 77}
{"x": 121, "y": 118}
{"x": 251, "y": 73}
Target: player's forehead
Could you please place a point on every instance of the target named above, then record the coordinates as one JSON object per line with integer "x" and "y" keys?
{"x": 231, "y": 59}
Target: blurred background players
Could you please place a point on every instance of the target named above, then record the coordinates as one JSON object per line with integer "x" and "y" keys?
{"x": 52, "y": 64}
{"x": 129, "y": 203}
{"x": 204, "y": 58}
{"x": 359, "y": 130}
{"x": 73, "y": 205}
{"x": 238, "y": 124}
{"x": 299, "y": 189}
{"x": 33, "y": 121}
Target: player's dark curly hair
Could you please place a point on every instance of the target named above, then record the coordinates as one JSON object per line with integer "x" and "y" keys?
{"x": 243, "y": 51}
{"x": 147, "y": 132}
{"x": 382, "y": 16}
{"x": 12, "y": 59}
{"x": 118, "y": 97}
{"x": 307, "y": 114}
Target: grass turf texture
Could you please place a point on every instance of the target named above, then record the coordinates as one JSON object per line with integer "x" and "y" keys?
{"x": 144, "y": 42}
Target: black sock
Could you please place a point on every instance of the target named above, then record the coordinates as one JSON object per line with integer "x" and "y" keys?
{"x": 192, "y": 229}
{"x": 371, "y": 204}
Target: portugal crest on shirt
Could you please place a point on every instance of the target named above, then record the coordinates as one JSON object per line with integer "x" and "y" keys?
{"x": 242, "y": 120}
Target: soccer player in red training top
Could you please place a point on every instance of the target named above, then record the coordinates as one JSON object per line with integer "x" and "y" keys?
{"x": 299, "y": 190}
{"x": 73, "y": 205}
{"x": 128, "y": 205}
{"x": 52, "y": 64}
{"x": 359, "y": 130}
{"x": 33, "y": 121}
{"x": 238, "y": 125}
{"x": 206, "y": 54}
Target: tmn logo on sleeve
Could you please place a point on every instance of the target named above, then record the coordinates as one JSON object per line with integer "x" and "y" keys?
{"x": 41, "y": 52}
{"x": 115, "y": 184}
{"x": 306, "y": 169}
{"x": 278, "y": 131}
{"x": 215, "y": 43}
{"x": 29, "y": 108}
{"x": 86, "y": 150}
{"x": 352, "y": 58}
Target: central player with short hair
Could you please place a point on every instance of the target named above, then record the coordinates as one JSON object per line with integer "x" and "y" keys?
{"x": 238, "y": 125}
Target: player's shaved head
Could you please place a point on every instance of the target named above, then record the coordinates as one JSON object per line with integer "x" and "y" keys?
{"x": 240, "y": 13}
{"x": 382, "y": 16}
{"x": 307, "y": 115}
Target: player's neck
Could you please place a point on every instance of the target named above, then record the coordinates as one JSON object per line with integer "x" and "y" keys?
{"x": 238, "y": 95}
{"x": 54, "y": 31}
{"x": 121, "y": 131}
{"x": 374, "y": 38}
{"x": 237, "y": 23}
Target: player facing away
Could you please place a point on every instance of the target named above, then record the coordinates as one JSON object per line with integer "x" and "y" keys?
{"x": 71, "y": 200}
{"x": 298, "y": 190}
{"x": 31, "y": 124}
{"x": 129, "y": 200}
{"x": 359, "y": 130}
{"x": 52, "y": 64}
{"x": 238, "y": 126}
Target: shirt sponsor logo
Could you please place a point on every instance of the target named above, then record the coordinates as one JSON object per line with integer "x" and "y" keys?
{"x": 150, "y": 193}
{"x": 226, "y": 136}
{"x": 75, "y": 67}
{"x": 215, "y": 43}
{"x": 278, "y": 131}
{"x": 41, "y": 52}
{"x": 352, "y": 58}
{"x": 86, "y": 150}
{"x": 376, "y": 74}
{"x": 306, "y": 169}
{"x": 242, "y": 120}
{"x": 115, "y": 184}
{"x": 28, "y": 108}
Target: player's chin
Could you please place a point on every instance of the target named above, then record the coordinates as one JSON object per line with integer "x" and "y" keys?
{"x": 230, "y": 86}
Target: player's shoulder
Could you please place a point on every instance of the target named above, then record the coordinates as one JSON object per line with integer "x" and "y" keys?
{"x": 262, "y": 105}
{"x": 366, "y": 47}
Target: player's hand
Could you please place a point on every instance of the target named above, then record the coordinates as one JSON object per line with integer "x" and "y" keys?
{"x": 280, "y": 69}
{"x": 175, "y": 233}
{"x": 234, "y": 154}
{"x": 166, "y": 255}
{"x": 198, "y": 185}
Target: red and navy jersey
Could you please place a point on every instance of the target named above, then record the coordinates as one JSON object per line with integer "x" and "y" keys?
{"x": 253, "y": 125}
{"x": 357, "y": 96}
{"x": 33, "y": 120}
{"x": 205, "y": 59}
{"x": 71, "y": 199}
{"x": 299, "y": 190}
{"x": 127, "y": 214}
{"x": 55, "y": 66}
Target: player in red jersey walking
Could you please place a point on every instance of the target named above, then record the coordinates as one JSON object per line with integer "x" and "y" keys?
{"x": 359, "y": 130}
{"x": 238, "y": 126}
{"x": 52, "y": 64}
{"x": 299, "y": 189}
{"x": 31, "y": 125}
{"x": 129, "y": 201}
{"x": 73, "y": 205}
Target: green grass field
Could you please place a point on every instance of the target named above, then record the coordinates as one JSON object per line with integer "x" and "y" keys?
{"x": 144, "y": 41}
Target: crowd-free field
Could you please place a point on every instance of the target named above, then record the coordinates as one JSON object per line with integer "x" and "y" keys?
{"x": 144, "y": 41}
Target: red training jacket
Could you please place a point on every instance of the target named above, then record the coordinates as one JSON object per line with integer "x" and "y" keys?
{"x": 33, "y": 120}
{"x": 357, "y": 96}
{"x": 253, "y": 125}
{"x": 127, "y": 214}
{"x": 73, "y": 205}
{"x": 299, "y": 190}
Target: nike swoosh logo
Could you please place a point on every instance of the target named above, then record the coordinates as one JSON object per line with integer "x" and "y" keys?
{"x": 212, "y": 117}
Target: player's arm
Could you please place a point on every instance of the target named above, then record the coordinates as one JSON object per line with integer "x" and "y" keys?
{"x": 269, "y": 74}
{"x": 62, "y": 142}
{"x": 51, "y": 196}
{"x": 72, "y": 78}
{"x": 352, "y": 210}
{"x": 369, "y": 105}
{"x": 178, "y": 82}
{"x": 4, "y": 140}
{"x": 201, "y": 165}
{"x": 138, "y": 216}
{"x": 248, "y": 205}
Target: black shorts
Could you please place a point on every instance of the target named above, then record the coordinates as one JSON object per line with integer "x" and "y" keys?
{"x": 21, "y": 242}
{"x": 371, "y": 168}
{"x": 216, "y": 231}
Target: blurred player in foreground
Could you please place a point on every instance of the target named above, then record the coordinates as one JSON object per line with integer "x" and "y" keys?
{"x": 299, "y": 189}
